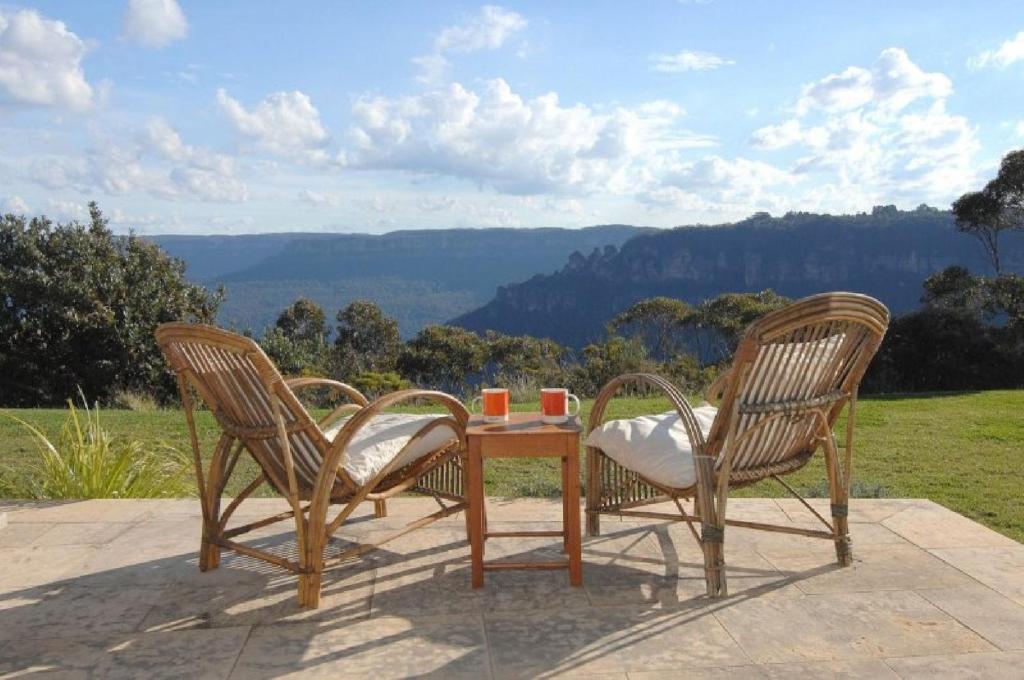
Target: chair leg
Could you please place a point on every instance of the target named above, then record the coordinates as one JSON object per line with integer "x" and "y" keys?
{"x": 309, "y": 587}
{"x": 713, "y": 545}
{"x": 593, "y": 490}
{"x": 380, "y": 508}
{"x": 839, "y": 494}
{"x": 209, "y": 555}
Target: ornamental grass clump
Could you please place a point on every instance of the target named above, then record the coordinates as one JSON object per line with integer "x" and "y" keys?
{"x": 87, "y": 462}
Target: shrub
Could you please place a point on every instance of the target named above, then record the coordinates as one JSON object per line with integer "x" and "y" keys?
{"x": 86, "y": 462}
{"x": 374, "y": 384}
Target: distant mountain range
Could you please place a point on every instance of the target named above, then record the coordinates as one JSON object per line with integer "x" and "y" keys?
{"x": 565, "y": 284}
{"x": 887, "y": 254}
{"x": 418, "y": 277}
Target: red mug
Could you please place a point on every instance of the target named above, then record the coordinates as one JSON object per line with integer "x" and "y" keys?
{"x": 494, "y": 402}
{"x": 554, "y": 404}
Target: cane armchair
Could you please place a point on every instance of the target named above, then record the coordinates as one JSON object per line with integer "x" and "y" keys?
{"x": 305, "y": 461}
{"x": 793, "y": 373}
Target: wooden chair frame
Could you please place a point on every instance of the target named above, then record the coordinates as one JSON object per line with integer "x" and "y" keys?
{"x": 238, "y": 382}
{"x": 765, "y": 428}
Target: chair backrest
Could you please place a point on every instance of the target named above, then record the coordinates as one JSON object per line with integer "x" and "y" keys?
{"x": 793, "y": 372}
{"x": 244, "y": 390}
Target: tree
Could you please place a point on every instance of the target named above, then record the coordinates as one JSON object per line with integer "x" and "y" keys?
{"x": 661, "y": 323}
{"x": 367, "y": 340}
{"x": 728, "y": 315}
{"x": 78, "y": 308}
{"x": 955, "y": 288}
{"x": 303, "y": 322}
{"x": 606, "y": 360}
{"x": 514, "y": 358}
{"x": 997, "y": 208}
{"x": 979, "y": 214}
{"x": 443, "y": 357}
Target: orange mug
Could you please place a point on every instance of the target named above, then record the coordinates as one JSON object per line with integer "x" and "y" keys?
{"x": 495, "y": 404}
{"x": 554, "y": 404}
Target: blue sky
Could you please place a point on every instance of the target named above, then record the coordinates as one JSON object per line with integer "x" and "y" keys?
{"x": 231, "y": 117}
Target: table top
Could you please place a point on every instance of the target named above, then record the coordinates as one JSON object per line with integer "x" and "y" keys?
{"x": 521, "y": 424}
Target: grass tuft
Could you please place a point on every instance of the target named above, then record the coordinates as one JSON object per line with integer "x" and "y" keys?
{"x": 86, "y": 462}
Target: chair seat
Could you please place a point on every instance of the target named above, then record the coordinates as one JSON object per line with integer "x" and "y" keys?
{"x": 384, "y": 437}
{"x": 655, "y": 446}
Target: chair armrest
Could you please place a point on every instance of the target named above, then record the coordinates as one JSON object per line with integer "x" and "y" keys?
{"x": 355, "y": 396}
{"x": 686, "y": 416}
{"x": 352, "y": 393}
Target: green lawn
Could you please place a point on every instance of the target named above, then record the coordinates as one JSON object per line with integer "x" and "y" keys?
{"x": 965, "y": 451}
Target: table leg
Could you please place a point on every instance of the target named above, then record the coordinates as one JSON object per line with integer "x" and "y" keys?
{"x": 571, "y": 505}
{"x": 475, "y": 482}
{"x": 565, "y": 505}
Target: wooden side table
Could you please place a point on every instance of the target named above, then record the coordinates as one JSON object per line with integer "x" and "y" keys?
{"x": 525, "y": 434}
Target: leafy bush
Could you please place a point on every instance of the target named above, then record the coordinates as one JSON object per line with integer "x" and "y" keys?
{"x": 374, "y": 384}
{"x": 86, "y": 462}
{"x": 78, "y": 309}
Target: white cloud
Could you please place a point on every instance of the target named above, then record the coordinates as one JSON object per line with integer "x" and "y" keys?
{"x": 879, "y": 134}
{"x": 488, "y": 30}
{"x": 1010, "y": 52}
{"x": 714, "y": 184}
{"x": 60, "y": 209}
{"x": 284, "y": 123}
{"x": 1020, "y": 129}
{"x": 516, "y": 145}
{"x": 687, "y": 60}
{"x": 159, "y": 164}
{"x": 154, "y": 23}
{"x": 319, "y": 198}
{"x": 893, "y": 83}
{"x": 41, "y": 62}
{"x": 14, "y": 205}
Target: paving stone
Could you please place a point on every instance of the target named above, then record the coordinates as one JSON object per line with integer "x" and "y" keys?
{"x": 1001, "y": 569}
{"x": 385, "y": 647}
{"x": 83, "y": 533}
{"x": 868, "y": 510}
{"x": 992, "y": 666}
{"x": 874, "y": 568}
{"x": 607, "y": 640}
{"x": 69, "y": 611}
{"x": 194, "y": 654}
{"x": 23, "y": 534}
{"x": 996, "y": 618}
{"x": 31, "y": 566}
{"x": 94, "y": 510}
{"x": 933, "y": 526}
{"x": 851, "y": 669}
{"x": 844, "y": 625}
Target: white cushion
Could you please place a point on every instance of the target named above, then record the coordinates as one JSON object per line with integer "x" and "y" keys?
{"x": 383, "y": 437}
{"x": 655, "y": 446}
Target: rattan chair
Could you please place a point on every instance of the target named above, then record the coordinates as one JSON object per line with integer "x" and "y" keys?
{"x": 258, "y": 412}
{"x": 793, "y": 373}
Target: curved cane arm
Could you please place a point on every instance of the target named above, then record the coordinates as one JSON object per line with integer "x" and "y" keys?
{"x": 356, "y": 398}
{"x": 352, "y": 393}
{"x": 682, "y": 407}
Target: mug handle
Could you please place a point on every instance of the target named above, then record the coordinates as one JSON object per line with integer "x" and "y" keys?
{"x": 577, "y": 400}
{"x": 473, "y": 401}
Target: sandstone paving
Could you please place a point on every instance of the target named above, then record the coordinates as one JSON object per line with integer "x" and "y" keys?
{"x": 113, "y": 589}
